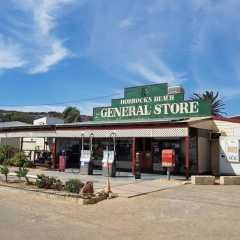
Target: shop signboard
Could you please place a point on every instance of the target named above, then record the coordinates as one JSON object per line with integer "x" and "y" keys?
{"x": 232, "y": 150}
{"x": 151, "y": 102}
{"x": 168, "y": 158}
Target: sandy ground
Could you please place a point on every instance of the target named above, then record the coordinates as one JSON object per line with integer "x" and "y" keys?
{"x": 184, "y": 212}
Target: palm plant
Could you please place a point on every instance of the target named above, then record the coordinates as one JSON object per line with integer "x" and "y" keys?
{"x": 71, "y": 114}
{"x": 217, "y": 104}
{"x": 22, "y": 173}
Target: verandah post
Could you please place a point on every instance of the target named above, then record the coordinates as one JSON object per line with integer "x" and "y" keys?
{"x": 133, "y": 155}
{"x": 186, "y": 151}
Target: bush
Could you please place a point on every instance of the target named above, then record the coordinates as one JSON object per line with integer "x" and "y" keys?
{"x": 73, "y": 185}
{"x": 18, "y": 160}
{"x": 22, "y": 172}
{"x": 29, "y": 164}
{"x": 4, "y": 150}
{"x": 47, "y": 182}
{"x": 4, "y": 170}
{"x": 58, "y": 185}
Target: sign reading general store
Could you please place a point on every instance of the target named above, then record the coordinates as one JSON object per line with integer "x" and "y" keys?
{"x": 151, "y": 102}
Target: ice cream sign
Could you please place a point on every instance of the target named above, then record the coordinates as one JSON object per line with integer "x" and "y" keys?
{"x": 232, "y": 150}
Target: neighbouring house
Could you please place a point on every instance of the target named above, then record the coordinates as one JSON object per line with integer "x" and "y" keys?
{"x": 48, "y": 121}
{"x": 14, "y": 142}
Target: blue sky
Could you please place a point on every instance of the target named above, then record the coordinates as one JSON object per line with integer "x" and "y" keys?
{"x": 57, "y": 51}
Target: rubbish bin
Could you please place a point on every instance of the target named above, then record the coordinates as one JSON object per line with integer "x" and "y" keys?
{"x": 86, "y": 166}
{"x": 108, "y": 164}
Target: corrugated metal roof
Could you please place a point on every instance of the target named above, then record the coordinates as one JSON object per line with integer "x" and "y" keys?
{"x": 119, "y": 122}
{"x": 13, "y": 124}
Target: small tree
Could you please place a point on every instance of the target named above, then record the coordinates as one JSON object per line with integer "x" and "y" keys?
{"x": 4, "y": 150}
{"x": 5, "y": 171}
{"x": 18, "y": 160}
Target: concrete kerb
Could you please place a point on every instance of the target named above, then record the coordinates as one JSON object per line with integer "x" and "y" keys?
{"x": 203, "y": 180}
{"x": 230, "y": 180}
{"x": 211, "y": 180}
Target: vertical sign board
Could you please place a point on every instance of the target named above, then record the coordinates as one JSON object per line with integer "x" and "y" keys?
{"x": 232, "y": 150}
{"x": 151, "y": 102}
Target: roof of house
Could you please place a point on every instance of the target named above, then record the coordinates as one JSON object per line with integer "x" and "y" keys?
{"x": 13, "y": 124}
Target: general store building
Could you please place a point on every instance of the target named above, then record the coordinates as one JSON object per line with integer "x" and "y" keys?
{"x": 147, "y": 120}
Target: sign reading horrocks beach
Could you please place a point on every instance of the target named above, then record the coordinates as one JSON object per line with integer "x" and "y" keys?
{"x": 151, "y": 102}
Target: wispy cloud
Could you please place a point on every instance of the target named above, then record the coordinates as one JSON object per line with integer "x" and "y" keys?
{"x": 56, "y": 54}
{"x": 31, "y": 42}
{"x": 130, "y": 42}
{"x": 149, "y": 74}
{"x": 126, "y": 23}
{"x": 10, "y": 54}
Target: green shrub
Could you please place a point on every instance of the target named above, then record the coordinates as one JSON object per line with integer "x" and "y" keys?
{"x": 41, "y": 181}
{"x": 58, "y": 185}
{"x": 29, "y": 164}
{"x": 4, "y": 170}
{"x": 73, "y": 185}
{"x": 18, "y": 160}
{"x": 4, "y": 150}
{"x": 47, "y": 182}
{"x": 22, "y": 173}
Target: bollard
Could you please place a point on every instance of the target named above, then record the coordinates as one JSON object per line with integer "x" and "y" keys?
{"x": 137, "y": 166}
{"x": 168, "y": 174}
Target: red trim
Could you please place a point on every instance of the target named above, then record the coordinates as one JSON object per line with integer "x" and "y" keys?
{"x": 133, "y": 155}
{"x": 186, "y": 147}
{"x": 232, "y": 120}
{"x": 107, "y": 127}
{"x": 125, "y": 127}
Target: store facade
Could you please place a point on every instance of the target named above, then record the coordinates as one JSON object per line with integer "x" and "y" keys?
{"x": 147, "y": 120}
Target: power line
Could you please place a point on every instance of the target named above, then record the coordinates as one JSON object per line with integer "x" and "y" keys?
{"x": 62, "y": 103}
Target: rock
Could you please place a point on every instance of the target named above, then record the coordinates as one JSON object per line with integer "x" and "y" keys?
{"x": 87, "y": 188}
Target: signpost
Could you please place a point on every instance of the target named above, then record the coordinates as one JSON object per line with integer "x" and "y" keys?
{"x": 151, "y": 102}
{"x": 168, "y": 160}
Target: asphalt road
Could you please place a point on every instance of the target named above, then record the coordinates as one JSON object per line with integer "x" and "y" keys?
{"x": 185, "y": 212}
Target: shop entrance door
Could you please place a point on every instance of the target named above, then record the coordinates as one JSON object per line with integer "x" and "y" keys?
{"x": 143, "y": 146}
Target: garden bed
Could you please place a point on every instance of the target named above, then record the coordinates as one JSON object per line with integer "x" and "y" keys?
{"x": 55, "y": 194}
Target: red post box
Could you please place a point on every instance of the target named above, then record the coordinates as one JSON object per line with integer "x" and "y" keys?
{"x": 168, "y": 158}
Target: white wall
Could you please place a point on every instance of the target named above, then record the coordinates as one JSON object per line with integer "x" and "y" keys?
{"x": 48, "y": 121}
{"x": 228, "y": 167}
{"x": 13, "y": 142}
{"x": 33, "y": 144}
